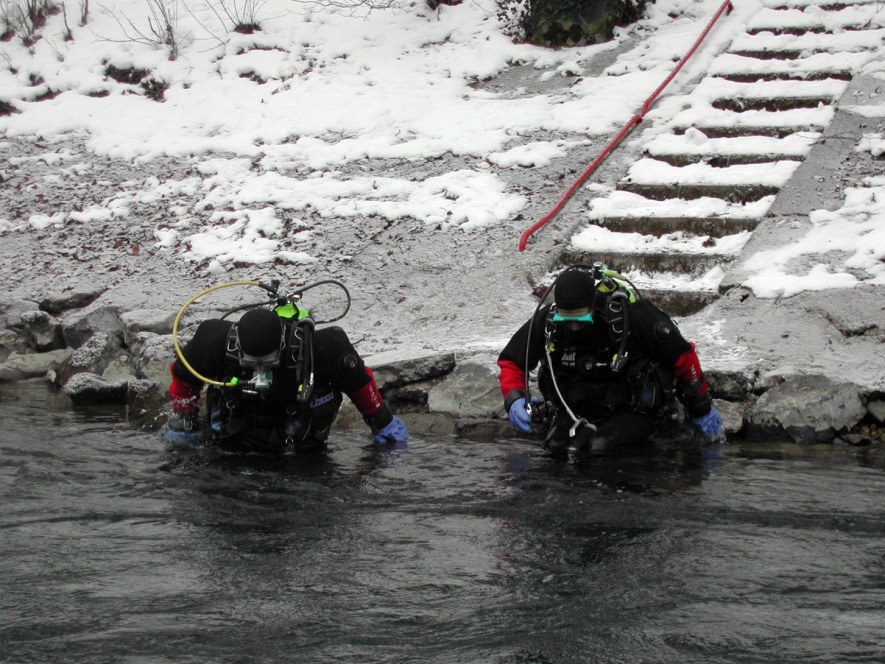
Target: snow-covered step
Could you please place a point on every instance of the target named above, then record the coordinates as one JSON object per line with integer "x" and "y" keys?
{"x": 680, "y": 302}
{"x": 717, "y": 123}
{"x": 685, "y": 210}
{"x": 626, "y": 212}
{"x": 660, "y": 226}
{"x": 768, "y": 45}
{"x": 653, "y": 261}
{"x": 679, "y": 294}
{"x": 741, "y": 183}
{"x": 713, "y": 87}
{"x": 813, "y": 67}
{"x": 626, "y": 204}
{"x": 689, "y": 190}
{"x": 694, "y": 146}
{"x": 816, "y": 19}
{"x": 740, "y": 104}
{"x": 675, "y": 252}
{"x": 769, "y": 95}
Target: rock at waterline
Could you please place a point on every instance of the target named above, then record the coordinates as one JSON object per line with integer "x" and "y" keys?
{"x": 469, "y": 391}
{"x": 32, "y": 365}
{"x": 88, "y": 389}
{"x": 396, "y": 368}
{"x": 732, "y": 413}
{"x": 806, "y": 409}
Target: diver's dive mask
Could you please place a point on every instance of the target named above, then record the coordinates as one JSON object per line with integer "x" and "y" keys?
{"x": 574, "y": 322}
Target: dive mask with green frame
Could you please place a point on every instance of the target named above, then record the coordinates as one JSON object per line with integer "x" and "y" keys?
{"x": 583, "y": 318}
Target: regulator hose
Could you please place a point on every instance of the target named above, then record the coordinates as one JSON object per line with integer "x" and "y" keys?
{"x": 178, "y": 352}
{"x": 273, "y": 290}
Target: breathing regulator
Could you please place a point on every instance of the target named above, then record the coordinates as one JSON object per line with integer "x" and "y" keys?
{"x": 296, "y": 342}
{"x": 615, "y": 292}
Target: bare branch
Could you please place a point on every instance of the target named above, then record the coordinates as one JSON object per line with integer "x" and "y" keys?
{"x": 162, "y": 30}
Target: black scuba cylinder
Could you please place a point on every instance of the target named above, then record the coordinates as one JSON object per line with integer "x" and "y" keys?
{"x": 300, "y": 348}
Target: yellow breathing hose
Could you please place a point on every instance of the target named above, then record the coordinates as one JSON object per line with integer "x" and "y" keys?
{"x": 179, "y": 354}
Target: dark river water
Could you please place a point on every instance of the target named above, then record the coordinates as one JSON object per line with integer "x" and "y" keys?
{"x": 115, "y": 549}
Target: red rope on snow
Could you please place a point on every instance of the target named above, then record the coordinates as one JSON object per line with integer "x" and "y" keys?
{"x": 726, "y": 7}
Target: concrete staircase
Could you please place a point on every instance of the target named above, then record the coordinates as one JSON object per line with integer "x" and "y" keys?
{"x": 685, "y": 210}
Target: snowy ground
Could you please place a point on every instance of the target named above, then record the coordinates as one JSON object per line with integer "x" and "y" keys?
{"x": 402, "y": 151}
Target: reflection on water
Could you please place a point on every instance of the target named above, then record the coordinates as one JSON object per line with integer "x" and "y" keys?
{"x": 113, "y": 548}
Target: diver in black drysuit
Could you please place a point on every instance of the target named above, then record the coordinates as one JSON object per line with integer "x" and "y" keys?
{"x": 269, "y": 416}
{"x": 617, "y": 391}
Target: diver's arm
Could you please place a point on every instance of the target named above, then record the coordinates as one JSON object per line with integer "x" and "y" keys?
{"x": 665, "y": 343}
{"x": 512, "y": 360}
{"x": 185, "y": 395}
{"x": 692, "y": 385}
{"x": 339, "y": 365}
{"x": 205, "y": 353}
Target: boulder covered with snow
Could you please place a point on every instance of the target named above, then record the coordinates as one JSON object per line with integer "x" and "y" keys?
{"x": 82, "y": 325}
{"x": 807, "y": 410}
{"x": 12, "y": 309}
{"x": 151, "y": 356}
{"x": 876, "y": 408}
{"x": 733, "y": 413}
{"x": 93, "y": 356}
{"x": 76, "y": 298}
{"x": 88, "y": 389}
{"x": 157, "y": 321}
{"x": 730, "y": 385}
{"x": 42, "y": 331}
{"x": 119, "y": 368}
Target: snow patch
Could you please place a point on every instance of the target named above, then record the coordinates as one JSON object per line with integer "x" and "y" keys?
{"x": 531, "y": 154}
{"x": 843, "y": 248}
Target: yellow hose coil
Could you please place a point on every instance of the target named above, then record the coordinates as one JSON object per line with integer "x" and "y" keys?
{"x": 179, "y": 354}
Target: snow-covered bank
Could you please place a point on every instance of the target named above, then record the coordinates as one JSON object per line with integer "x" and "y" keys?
{"x": 373, "y": 149}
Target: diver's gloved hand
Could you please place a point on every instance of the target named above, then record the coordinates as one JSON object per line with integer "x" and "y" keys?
{"x": 182, "y": 428}
{"x": 710, "y": 424}
{"x": 519, "y": 416}
{"x": 395, "y": 432}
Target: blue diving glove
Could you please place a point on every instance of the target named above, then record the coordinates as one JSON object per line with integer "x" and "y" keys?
{"x": 395, "y": 432}
{"x": 710, "y": 424}
{"x": 181, "y": 429}
{"x": 519, "y": 416}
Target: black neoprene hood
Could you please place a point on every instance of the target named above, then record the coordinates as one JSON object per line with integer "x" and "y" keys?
{"x": 260, "y": 332}
{"x": 574, "y": 289}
